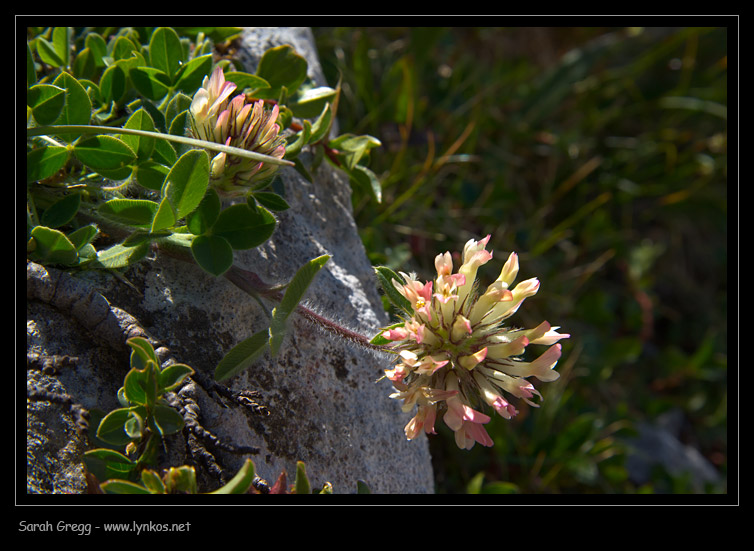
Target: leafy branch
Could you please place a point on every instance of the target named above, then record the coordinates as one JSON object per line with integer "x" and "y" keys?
{"x": 185, "y": 140}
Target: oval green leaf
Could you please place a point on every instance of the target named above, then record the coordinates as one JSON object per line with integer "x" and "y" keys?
{"x": 78, "y": 107}
{"x": 242, "y": 355}
{"x": 104, "y": 153}
{"x": 165, "y": 51}
{"x": 187, "y": 182}
{"x": 309, "y": 103}
{"x": 111, "y": 428}
{"x": 105, "y": 464}
{"x": 47, "y": 52}
{"x": 167, "y": 420}
{"x": 164, "y": 218}
{"x": 45, "y": 161}
{"x": 205, "y": 215}
{"x": 150, "y": 82}
{"x": 142, "y": 352}
{"x": 243, "y": 227}
{"x": 170, "y": 377}
{"x": 112, "y": 84}
{"x": 61, "y": 41}
{"x": 121, "y": 255}
{"x": 213, "y": 253}
{"x": 192, "y": 74}
{"x": 294, "y": 292}
{"x": 46, "y": 102}
{"x": 282, "y": 67}
{"x": 271, "y": 200}
{"x": 141, "y": 145}
{"x": 117, "y": 486}
{"x": 151, "y": 175}
{"x": 246, "y": 80}
{"x": 134, "y": 212}
{"x": 61, "y": 211}
{"x": 53, "y": 246}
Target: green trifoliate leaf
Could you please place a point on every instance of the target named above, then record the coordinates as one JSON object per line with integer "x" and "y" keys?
{"x": 321, "y": 127}
{"x": 151, "y": 174}
{"x": 97, "y": 45}
{"x": 124, "y": 48}
{"x": 31, "y": 71}
{"x": 180, "y": 480}
{"x": 367, "y": 181}
{"x": 152, "y": 481}
{"x": 362, "y": 488}
{"x": 140, "y": 386}
{"x": 83, "y": 236}
{"x": 178, "y": 105}
{"x": 353, "y": 148}
{"x": 84, "y": 65}
{"x": 294, "y": 292}
{"x": 293, "y": 148}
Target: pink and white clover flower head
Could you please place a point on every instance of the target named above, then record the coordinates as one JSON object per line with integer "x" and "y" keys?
{"x": 455, "y": 355}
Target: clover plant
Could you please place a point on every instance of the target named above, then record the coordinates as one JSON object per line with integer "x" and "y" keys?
{"x": 118, "y": 159}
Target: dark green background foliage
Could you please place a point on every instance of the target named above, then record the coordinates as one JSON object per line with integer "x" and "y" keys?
{"x": 600, "y": 156}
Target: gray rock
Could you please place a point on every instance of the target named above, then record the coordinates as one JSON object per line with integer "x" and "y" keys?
{"x": 317, "y": 401}
{"x": 657, "y": 444}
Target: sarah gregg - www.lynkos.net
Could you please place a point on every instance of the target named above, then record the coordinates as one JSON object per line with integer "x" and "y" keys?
{"x": 86, "y": 528}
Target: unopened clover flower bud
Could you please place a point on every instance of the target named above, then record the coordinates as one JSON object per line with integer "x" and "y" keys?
{"x": 455, "y": 354}
{"x": 236, "y": 123}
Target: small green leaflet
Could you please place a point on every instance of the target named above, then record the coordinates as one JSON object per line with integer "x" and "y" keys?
{"x": 293, "y": 295}
{"x": 242, "y": 355}
{"x": 385, "y": 276}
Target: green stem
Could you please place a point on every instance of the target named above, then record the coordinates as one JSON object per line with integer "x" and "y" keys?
{"x": 92, "y": 129}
